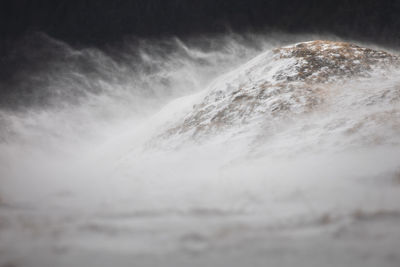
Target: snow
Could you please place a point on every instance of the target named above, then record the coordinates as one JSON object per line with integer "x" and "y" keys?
{"x": 262, "y": 167}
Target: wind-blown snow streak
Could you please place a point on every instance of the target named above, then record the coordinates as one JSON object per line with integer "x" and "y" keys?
{"x": 289, "y": 159}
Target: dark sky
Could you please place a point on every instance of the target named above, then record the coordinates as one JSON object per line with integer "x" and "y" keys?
{"x": 100, "y": 21}
{"x": 26, "y": 55}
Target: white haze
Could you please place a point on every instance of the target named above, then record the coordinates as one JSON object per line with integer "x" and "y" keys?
{"x": 80, "y": 186}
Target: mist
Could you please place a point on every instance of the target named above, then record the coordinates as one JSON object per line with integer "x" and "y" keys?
{"x": 90, "y": 177}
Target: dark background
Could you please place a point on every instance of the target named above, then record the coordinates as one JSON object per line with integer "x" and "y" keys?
{"x": 31, "y": 63}
{"x": 97, "y": 22}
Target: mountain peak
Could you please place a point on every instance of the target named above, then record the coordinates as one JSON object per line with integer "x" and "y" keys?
{"x": 325, "y": 61}
{"x": 280, "y": 84}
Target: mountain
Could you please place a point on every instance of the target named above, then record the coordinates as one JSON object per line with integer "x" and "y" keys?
{"x": 321, "y": 88}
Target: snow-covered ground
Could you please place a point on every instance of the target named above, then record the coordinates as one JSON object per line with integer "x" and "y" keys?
{"x": 291, "y": 159}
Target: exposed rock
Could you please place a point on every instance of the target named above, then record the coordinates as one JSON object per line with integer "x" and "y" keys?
{"x": 325, "y": 61}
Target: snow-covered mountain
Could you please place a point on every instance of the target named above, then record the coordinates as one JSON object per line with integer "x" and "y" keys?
{"x": 318, "y": 90}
